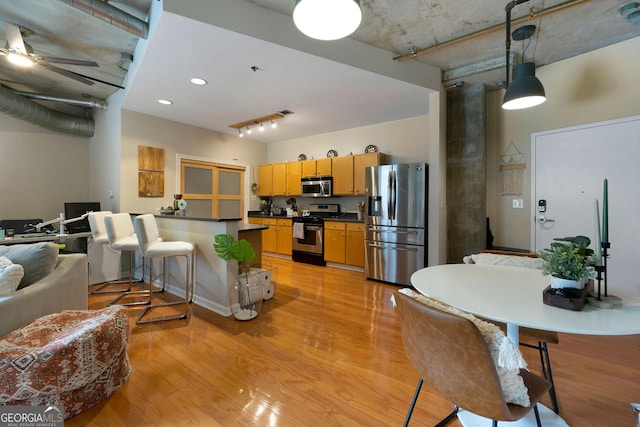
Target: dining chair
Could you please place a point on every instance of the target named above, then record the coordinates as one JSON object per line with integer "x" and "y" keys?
{"x": 451, "y": 355}
{"x": 122, "y": 237}
{"x": 536, "y": 339}
{"x": 99, "y": 236}
{"x": 152, "y": 247}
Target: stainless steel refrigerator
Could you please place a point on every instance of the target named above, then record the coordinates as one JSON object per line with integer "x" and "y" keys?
{"x": 396, "y": 221}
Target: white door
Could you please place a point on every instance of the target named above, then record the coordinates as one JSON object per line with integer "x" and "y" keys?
{"x": 569, "y": 168}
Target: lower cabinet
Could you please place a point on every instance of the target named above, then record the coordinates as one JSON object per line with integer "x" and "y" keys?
{"x": 344, "y": 243}
{"x": 355, "y": 244}
{"x": 334, "y": 242}
{"x": 278, "y": 237}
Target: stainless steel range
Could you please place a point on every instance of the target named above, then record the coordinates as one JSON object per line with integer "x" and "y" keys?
{"x": 308, "y": 233}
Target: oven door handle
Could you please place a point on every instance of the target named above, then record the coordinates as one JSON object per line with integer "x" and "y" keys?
{"x": 313, "y": 227}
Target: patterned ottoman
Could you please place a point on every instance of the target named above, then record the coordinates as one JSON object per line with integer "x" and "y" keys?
{"x": 72, "y": 359}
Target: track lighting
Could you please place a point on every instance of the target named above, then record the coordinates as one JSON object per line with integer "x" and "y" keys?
{"x": 240, "y": 134}
{"x": 273, "y": 124}
{"x": 249, "y": 130}
{"x": 261, "y": 128}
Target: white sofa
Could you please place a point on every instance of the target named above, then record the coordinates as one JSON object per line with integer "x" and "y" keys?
{"x": 58, "y": 282}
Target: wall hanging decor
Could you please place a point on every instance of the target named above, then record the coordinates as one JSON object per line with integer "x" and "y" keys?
{"x": 512, "y": 171}
{"x": 150, "y": 171}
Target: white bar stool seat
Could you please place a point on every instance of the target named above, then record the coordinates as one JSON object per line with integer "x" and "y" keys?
{"x": 151, "y": 247}
{"x": 100, "y": 237}
{"x": 122, "y": 237}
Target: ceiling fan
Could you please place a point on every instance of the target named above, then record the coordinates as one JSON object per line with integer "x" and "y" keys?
{"x": 21, "y": 53}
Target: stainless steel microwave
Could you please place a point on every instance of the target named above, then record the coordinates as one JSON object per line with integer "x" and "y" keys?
{"x": 316, "y": 186}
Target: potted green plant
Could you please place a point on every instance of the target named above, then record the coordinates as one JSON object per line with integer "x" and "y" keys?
{"x": 569, "y": 261}
{"x": 245, "y": 297}
{"x": 228, "y": 248}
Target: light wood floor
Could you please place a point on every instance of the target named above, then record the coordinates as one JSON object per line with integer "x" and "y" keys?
{"x": 326, "y": 351}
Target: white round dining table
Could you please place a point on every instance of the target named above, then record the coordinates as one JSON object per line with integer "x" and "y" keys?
{"x": 513, "y": 295}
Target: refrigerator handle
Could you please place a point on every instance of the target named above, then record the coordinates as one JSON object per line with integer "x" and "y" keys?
{"x": 389, "y": 195}
{"x": 393, "y": 195}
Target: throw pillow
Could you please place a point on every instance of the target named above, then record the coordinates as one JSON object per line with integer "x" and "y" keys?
{"x": 37, "y": 259}
{"x": 509, "y": 260}
{"x": 10, "y": 276}
{"x": 505, "y": 354}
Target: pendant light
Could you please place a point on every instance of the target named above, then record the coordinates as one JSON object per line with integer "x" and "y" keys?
{"x": 525, "y": 90}
{"x": 327, "y": 19}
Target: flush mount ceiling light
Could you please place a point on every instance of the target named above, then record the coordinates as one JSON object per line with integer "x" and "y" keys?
{"x": 327, "y": 19}
{"x": 525, "y": 90}
{"x": 198, "y": 81}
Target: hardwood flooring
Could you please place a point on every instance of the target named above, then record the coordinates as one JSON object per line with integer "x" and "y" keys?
{"x": 327, "y": 351}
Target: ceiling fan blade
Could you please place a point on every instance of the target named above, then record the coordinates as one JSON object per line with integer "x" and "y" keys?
{"x": 66, "y": 73}
{"x": 69, "y": 61}
{"x": 14, "y": 38}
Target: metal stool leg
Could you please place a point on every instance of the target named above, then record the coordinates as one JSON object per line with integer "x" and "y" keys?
{"x": 188, "y": 291}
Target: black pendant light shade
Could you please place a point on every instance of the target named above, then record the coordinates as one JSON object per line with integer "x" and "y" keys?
{"x": 525, "y": 90}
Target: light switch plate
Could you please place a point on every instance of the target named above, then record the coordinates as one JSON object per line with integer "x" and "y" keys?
{"x": 518, "y": 204}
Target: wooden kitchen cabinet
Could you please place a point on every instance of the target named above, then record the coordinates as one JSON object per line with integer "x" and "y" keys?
{"x": 342, "y": 168}
{"x": 344, "y": 243}
{"x": 308, "y": 167}
{"x": 354, "y": 253}
{"x": 334, "y": 242}
{"x": 269, "y": 236}
{"x": 294, "y": 173}
{"x": 265, "y": 180}
{"x": 284, "y": 236}
{"x": 319, "y": 167}
{"x": 279, "y": 179}
{"x": 360, "y": 162}
{"x": 323, "y": 167}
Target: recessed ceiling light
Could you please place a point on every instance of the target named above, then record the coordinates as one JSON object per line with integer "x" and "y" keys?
{"x": 165, "y": 102}
{"x": 198, "y": 81}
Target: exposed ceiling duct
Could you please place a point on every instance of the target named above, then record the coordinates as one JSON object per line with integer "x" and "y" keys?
{"x": 114, "y": 16}
{"x": 27, "y": 110}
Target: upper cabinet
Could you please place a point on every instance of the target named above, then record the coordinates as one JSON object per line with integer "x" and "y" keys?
{"x": 349, "y": 172}
{"x": 283, "y": 179}
{"x": 265, "y": 180}
{"x": 294, "y": 173}
{"x": 279, "y": 179}
{"x": 319, "y": 167}
{"x": 360, "y": 162}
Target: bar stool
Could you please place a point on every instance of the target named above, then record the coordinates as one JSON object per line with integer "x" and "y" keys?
{"x": 99, "y": 235}
{"x": 152, "y": 247}
{"x": 122, "y": 237}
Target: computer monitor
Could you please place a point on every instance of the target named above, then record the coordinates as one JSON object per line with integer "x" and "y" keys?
{"x": 76, "y": 209}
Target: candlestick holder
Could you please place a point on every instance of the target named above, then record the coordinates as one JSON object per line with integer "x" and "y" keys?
{"x": 601, "y": 297}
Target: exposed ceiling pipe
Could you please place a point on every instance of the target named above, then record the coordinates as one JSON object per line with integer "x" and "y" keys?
{"x": 114, "y": 16}
{"x": 27, "y": 110}
{"x": 81, "y": 102}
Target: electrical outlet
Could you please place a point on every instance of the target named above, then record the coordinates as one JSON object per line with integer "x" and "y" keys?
{"x": 518, "y": 204}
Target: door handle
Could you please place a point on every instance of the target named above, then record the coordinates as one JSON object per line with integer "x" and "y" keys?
{"x": 543, "y": 219}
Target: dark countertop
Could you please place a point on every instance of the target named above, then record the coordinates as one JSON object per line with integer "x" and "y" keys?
{"x": 345, "y": 217}
{"x": 250, "y": 227}
{"x": 196, "y": 218}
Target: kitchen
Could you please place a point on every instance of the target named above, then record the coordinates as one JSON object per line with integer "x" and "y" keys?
{"x": 345, "y": 213}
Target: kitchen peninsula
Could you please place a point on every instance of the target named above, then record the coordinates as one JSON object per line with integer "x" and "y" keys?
{"x": 214, "y": 276}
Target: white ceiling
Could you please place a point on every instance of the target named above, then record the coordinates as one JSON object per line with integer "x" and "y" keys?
{"x": 325, "y": 95}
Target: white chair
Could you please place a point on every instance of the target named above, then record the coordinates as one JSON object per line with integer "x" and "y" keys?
{"x": 152, "y": 247}
{"x": 99, "y": 235}
{"x": 122, "y": 237}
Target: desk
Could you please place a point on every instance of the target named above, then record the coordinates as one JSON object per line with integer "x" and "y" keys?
{"x": 513, "y": 295}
